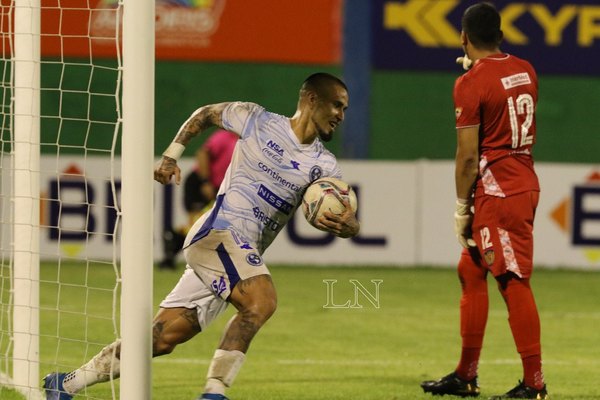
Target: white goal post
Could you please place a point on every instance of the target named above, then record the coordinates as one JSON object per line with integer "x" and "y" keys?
{"x": 22, "y": 364}
{"x": 137, "y": 199}
{"x": 25, "y": 189}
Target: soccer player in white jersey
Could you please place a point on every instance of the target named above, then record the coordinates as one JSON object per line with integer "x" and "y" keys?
{"x": 275, "y": 160}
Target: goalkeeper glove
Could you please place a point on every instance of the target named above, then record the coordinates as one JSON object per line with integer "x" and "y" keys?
{"x": 463, "y": 218}
{"x": 465, "y": 61}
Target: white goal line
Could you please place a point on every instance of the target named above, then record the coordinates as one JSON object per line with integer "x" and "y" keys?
{"x": 34, "y": 394}
{"x": 308, "y": 361}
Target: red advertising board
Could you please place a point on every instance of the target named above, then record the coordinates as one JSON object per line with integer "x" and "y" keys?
{"x": 299, "y": 31}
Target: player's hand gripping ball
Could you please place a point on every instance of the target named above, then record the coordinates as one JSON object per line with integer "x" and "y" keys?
{"x": 326, "y": 194}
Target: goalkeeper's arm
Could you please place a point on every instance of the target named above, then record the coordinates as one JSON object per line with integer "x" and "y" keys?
{"x": 467, "y": 156}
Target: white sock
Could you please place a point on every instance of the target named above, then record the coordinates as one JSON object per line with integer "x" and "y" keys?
{"x": 98, "y": 369}
{"x": 223, "y": 369}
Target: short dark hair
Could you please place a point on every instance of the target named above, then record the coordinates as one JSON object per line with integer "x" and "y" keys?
{"x": 321, "y": 81}
{"x": 481, "y": 23}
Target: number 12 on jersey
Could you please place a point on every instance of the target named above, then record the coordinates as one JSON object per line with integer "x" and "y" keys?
{"x": 523, "y": 105}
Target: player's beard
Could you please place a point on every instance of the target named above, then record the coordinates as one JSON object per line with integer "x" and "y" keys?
{"x": 325, "y": 136}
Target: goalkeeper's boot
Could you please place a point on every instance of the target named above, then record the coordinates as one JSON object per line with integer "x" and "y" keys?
{"x": 522, "y": 391}
{"x": 212, "y": 396}
{"x": 53, "y": 385}
{"x": 453, "y": 385}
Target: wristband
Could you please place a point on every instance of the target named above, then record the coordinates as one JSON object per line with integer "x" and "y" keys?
{"x": 174, "y": 151}
{"x": 463, "y": 207}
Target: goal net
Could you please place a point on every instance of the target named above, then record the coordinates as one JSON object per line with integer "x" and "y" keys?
{"x": 61, "y": 209}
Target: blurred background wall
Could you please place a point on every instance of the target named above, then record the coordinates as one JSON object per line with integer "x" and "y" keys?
{"x": 397, "y": 57}
{"x": 398, "y": 141}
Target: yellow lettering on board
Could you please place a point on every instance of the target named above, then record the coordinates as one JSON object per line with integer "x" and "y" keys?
{"x": 424, "y": 20}
{"x": 509, "y": 15}
{"x": 589, "y": 25}
{"x": 553, "y": 25}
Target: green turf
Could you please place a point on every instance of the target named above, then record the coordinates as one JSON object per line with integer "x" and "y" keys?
{"x": 308, "y": 352}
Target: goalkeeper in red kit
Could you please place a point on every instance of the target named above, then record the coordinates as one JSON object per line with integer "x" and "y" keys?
{"x": 497, "y": 194}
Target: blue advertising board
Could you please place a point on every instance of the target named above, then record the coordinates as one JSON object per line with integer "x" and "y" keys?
{"x": 557, "y": 37}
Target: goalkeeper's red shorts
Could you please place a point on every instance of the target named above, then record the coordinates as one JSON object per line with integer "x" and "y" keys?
{"x": 503, "y": 230}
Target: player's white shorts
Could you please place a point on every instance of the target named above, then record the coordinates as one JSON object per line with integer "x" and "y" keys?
{"x": 221, "y": 260}
{"x": 215, "y": 264}
{"x": 190, "y": 292}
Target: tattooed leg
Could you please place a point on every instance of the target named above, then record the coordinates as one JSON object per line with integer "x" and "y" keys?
{"x": 173, "y": 326}
{"x": 256, "y": 300}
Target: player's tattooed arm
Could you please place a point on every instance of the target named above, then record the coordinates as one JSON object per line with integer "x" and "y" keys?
{"x": 202, "y": 119}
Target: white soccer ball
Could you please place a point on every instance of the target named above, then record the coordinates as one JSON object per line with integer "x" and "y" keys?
{"x": 326, "y": 194}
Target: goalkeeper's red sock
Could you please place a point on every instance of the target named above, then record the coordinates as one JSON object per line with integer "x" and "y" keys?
{"x": 469, "y": 362}
{"x": 473, "y": 314}
{"x": 524, "y": 323}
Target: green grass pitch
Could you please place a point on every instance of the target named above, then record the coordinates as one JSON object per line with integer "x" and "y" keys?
{"x": 307, "y": 351}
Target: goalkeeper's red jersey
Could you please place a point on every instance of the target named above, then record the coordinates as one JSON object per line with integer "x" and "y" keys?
{"x": 499, "y": 94}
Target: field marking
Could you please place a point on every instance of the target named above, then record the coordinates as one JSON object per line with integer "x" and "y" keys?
{"x": 501, "y": 312}
{"x": 557, "y": 314}
{"x": 309, "y": 361}
{"x": 33, "y": 393}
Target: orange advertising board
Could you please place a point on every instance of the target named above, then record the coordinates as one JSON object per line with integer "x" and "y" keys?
{"x": 288, "y": 31}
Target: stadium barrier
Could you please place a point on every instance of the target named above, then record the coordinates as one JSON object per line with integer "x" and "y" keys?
{"x": 405, "y": 209}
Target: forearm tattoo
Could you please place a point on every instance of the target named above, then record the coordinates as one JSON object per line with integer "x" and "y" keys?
{"x": 203, "y": 119}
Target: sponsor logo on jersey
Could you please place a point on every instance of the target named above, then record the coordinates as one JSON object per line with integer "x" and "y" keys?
{"x": 277, "y": 177}
{"x": 515, "y": 80}
{"x": 265, "y": 219}
{"x": 273, "y": 155}
{"x": 315, "y": 173}
{"x": 277, "y": 148}
{"x": 458, "y": 112}
{"x": 295, "y": 164}
{"x": 254, "y": 259}
{"x": 274, "y": 201}
{"x": 219, "y": 287}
